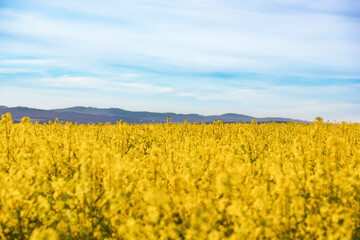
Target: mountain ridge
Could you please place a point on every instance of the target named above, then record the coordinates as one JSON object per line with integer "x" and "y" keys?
{"x": 84, "y": 115}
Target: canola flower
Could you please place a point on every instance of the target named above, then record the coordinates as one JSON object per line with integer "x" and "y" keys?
{"x": 179, "y": 181}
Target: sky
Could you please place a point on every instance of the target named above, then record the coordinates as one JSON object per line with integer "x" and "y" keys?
{"x": 277, "y": 58}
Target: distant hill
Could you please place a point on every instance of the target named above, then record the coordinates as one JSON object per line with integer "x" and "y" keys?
{"x": 112, "y": 115}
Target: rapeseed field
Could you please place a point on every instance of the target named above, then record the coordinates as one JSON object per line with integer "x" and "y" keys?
{"x": 179, "y": 181}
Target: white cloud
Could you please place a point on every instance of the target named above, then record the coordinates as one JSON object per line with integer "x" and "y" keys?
{"x": 15, "y": 70}
{"x": 146, "y": 88}
{"x": 205, "y": 35}
{"x": 34, "y": 62}
{"x": 71, "y": 82}
{"x": 270, "y": 94}
{"x": 129, "y": 75}
{"x": 186, "y": 94}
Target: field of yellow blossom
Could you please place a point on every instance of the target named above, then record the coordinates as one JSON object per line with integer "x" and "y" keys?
{"x": 179, "y": 181}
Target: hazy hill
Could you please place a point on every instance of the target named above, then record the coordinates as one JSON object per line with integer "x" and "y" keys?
{"x": 112, "y": 115}
{"x": 46, "y": 115}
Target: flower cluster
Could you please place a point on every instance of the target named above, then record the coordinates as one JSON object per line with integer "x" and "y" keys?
{"x": 179, "y": 181}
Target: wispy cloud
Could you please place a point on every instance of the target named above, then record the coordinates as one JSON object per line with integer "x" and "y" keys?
{"x": 186, "y": 94}
{"x": 245, "y": 39}
{"x": 73, "y": 82}
{"x": 70, "y": 82}
{"x": 14, "y": 70}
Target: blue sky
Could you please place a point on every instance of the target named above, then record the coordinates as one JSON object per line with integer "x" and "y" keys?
{"x": 298, "y": 59}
